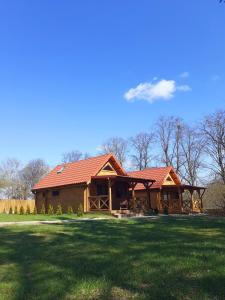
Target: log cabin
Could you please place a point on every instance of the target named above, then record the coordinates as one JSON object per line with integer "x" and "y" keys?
{"x": 101, "y": 184}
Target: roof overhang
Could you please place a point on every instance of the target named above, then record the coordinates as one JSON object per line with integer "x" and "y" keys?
{"x": 192, "y": 187}
{"x": 123, "y": 178}
{"x": 182, "y": 186}
{"x": 59, "y": 186}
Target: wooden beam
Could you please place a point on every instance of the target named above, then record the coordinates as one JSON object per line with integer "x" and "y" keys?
{"x": 200, "y": 196}
{"x": 88, "y": 195}
{"x": 147, "y": 186}
{"x": 132, "y": 189}
{"x": 180, "y": 198}
{"x": 159, "y": 199}
{"x": 132, "y": 184}
{"x": 110, "y": 194}
{"x": 192, "y": 207}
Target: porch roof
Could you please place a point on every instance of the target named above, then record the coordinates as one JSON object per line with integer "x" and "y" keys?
{"x": 124, "y": 178}
{"x": 192, "y": 187}
{"x": 180, "y": 186}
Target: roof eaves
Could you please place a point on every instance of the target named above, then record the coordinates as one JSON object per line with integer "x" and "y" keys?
{"x": 58, "y": 186}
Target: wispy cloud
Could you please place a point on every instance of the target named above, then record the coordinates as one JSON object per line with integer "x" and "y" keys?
{"x": 184, "y": 75}
{"x": 153, "y": 91}
{"x": 184, "y": 88}
{"x": 99, "y": 148}
{"x": 215, "y": 77}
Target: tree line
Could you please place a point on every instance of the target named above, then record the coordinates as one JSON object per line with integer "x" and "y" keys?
{"x": 197, "y": 154}
{"x": 192, "y": 150}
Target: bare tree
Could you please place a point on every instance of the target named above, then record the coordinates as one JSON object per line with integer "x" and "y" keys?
{"x": 192, "y": 150}
{"x": 141, "y": 144}
{"x": 9, "y": 173}
{"x": 31, "y": 174}
{"x": 86, "y": 155}
{"x": 214, "y": 197}
{"x": 72, "y": 156}
{"x": 169, "y": 134}
{"x": 118, "y": 146}
{"x": 213, "y": 131}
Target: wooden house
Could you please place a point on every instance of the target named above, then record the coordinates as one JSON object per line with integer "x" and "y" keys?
{"x": 101, "y": 184}
{"x": 168, "y": 193}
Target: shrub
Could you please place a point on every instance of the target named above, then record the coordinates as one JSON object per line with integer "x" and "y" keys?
{"x": 28, "y": 210}
{"x": 15, "y": 210}
{"x": 42, "y": 211}
{"x": 165, "y": 211}
{"x": 10, "y": 210}
{"x": 50, "y": 210}
{"x": 70, "y": 210}
{"x": 80, "y": 210}
{"x": 59, "y": 209}
{"x": 21, "y": 210}
{"x": 35, "y": 210}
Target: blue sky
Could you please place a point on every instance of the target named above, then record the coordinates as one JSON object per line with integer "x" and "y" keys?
{"x": 73, "y": 73}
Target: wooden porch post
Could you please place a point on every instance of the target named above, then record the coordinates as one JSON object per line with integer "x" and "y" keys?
{"x": 133, "y": 192}
{"x": 88, "y": 195}
{"x": 110, "y": 194}
{"x": 147, "y": 187}
{"x": 192, "y": 206}
{"x": 159, "y": 200}
{"x": 132, "y": 185}
{"x": 202, "y": 194}
{"x": 200, "y": 197}
{"x": 181, "y": 199}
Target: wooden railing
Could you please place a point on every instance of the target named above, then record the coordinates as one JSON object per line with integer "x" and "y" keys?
{"x": 99, "y": 202}
{"x": 173, "y": 205}
{"x": 138, "y": 203}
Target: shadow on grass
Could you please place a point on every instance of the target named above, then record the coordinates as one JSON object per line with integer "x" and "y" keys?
{"x": 169, "y": 258}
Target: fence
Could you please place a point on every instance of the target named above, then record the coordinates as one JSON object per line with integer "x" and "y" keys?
{"x": 6, "y": 204}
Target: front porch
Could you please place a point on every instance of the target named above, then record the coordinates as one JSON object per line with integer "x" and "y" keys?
{"x": 181, "y": 199}
{"x": 116, "y": 193}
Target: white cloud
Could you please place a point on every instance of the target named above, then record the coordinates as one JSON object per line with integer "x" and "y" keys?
{"x": 151, "y": 92}
{"x": 184, "y": 75}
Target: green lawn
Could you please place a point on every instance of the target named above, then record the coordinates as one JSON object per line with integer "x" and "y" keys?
{"x": 166, "y": 258}
{"x": 39, "y": 217}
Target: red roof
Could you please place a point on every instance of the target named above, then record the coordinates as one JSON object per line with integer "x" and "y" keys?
{"x": 77, "y": 172}
{"x": 82, "y": 171}
{"x": 158, "y": 174}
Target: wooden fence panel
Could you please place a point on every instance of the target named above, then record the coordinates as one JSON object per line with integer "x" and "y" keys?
{"x": 6, "y": 204}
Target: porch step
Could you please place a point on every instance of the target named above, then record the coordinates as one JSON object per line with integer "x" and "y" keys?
{"x": 127, "y": 215}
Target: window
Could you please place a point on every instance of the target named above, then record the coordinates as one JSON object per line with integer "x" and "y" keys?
{"x": 168, "y": 178}
{"x": 166, "y": 196}
{"x": 55, "y": 193}
{"x": 102, "y": 189}
{"x": 61, "y": 170}
{"x": 107, "y": 168}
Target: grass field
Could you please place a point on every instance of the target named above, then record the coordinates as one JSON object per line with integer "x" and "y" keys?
{"x": 40, "y": 217}
{"x": 166, "y": 258}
